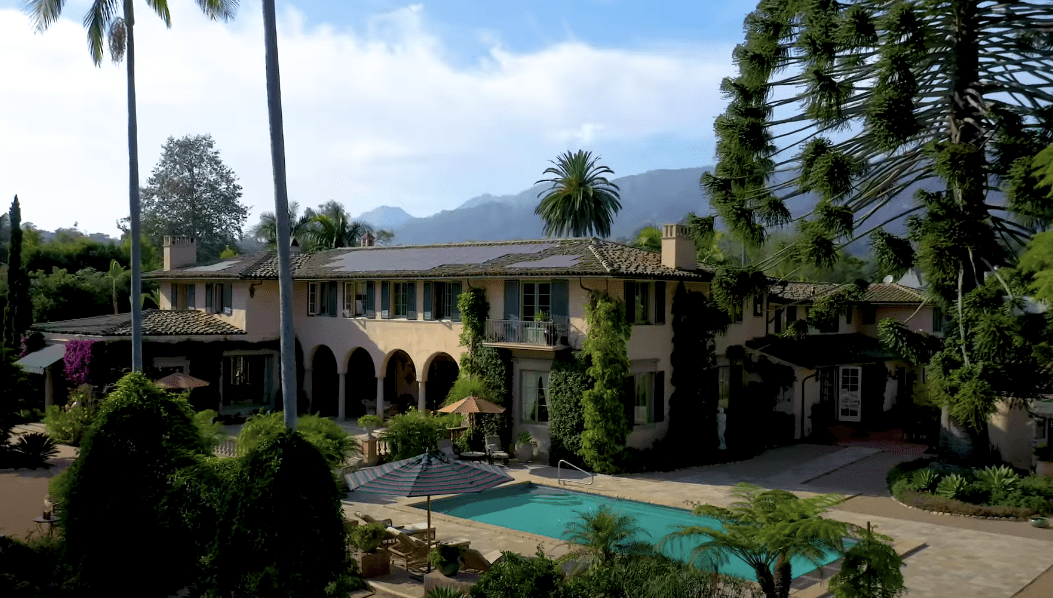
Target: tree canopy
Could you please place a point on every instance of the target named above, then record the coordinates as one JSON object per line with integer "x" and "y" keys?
{"x": 580, "y": 200}
{"x": 191, "y": 192}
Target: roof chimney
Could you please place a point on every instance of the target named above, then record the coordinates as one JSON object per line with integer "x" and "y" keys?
{"x": 678, "y": 248}
{"x": 368, "y": 240}
{"x": 294, "y": 246}
{"x": 179, "y": 252}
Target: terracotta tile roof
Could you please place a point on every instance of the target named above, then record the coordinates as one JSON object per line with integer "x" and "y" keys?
{"x": 532, "y": 258}
{"x": 182, "y": 322}
{"x": 234, "y": 267}
{"x": 875, "y": 293}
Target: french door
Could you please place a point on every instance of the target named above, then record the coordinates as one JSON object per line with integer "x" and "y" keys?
{"x": 848, "y": 397}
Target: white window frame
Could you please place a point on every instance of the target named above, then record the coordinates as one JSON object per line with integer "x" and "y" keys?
{"x": 318, "y": 299}
{"x": 538, "y": 382}
{"x": 643, "y": 384}
{"x": 400, "y": 288}
{"x": 355, "y": 302}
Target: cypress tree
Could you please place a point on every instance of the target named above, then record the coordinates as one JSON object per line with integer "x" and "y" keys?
{"x": 18, "y": 315}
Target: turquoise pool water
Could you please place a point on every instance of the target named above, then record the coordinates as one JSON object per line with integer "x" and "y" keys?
{"x": 546, "y": 511}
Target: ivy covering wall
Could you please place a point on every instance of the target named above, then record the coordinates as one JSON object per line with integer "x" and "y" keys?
{"x": 568, "y": 381}
{"x": 606, "y": 423}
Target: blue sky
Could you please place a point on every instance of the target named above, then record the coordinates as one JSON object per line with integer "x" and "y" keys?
{"x": 416, "y": 105}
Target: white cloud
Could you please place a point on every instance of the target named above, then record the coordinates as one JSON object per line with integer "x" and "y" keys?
{"x": 372, "y": 117}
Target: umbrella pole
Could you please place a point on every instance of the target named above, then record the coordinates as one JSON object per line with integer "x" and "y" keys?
{"x": 427, "y": 534}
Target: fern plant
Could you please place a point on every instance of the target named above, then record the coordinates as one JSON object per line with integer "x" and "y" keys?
{"x": 952, "y": 486}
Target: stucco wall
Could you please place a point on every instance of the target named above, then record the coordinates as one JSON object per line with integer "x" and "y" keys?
{"x": 1012, "y": 432}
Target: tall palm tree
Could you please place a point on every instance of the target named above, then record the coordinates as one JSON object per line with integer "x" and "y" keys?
{"x": 332, "y": 231}
{"x": 767, "y": 529}
{"x": 281, "y": 211}
{"x": 105, "y": 23}
{"x": 580, "y": 199}
{"x": 601, "y": 535}
{"x": 266, "y": 231}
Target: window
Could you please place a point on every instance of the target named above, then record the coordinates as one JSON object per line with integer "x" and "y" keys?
{"x": 537, "y": 298}
{"x": 758, "y": 305}
{"x": 173, "y": 296}
{"x": 358, "y": 299}
{"x": 535, "y": 396}
{"x": 321, "y": 299}
{"x": 645, "y": 302}
{"x": 191, "y": 290}
{"x": 848, "y": 314}
{"x": 398, "y": 299}
{"x": 440, "y": 301}
{"x": 649, "y": 398}
{"x": 218, "y": 298}
{"x": 868, "y": 314}
{"x": 791, "y": 313}
{"x": 777, "y": 321}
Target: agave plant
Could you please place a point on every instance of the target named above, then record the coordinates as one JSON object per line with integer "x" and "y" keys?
{"x": 34, "y": 449}
{"x": 925, "y": 479}
{"x": 952, "y": 486}
{"x": 444, "y": 592}
{"x": 996, "y": 479}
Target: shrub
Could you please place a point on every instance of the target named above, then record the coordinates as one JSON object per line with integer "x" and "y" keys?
{"x": 369, "y": 536}
{"x": 925, "y": 480}
{"x": 30, "y": 568}
{"x": 998, "y": 479}
{"x": 906, "y": 470}
{"x": 370, "y": 420}
{"x": 81, "y": 361}
{"x": 939, "y": 504}
{"x": 870, "y": 569}
{"x": 444, "y": 592}
{"x": 951, "y": 486}
{"x": 210, "y": 430}
{"x": 471, "y": 437}
{"x": 140, "y": 438}
{"x": 606, "y": 422}
{"x": 444, "y": 553}
{"x": 1037, "y": 485}
{"x": 1044, "y": 452}
{"x": 281, "y": 532}
{"x": 516, "y": 576}
{"x": 67, "y": 425}
{"x": 32, "y": 450}
{"x": 477, "y": 386}
{"x": 331, "y": 440}
{"x": 413, "y": 433}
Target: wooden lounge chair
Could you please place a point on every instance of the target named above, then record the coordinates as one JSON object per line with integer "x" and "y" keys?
{"x": 473, "y": 560}
{"x": 414, "y": 529}
{"x": 494, "y": 449}
{"x": 412, "y": 552}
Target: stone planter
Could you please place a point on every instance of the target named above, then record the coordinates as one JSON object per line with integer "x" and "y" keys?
{"x": 449, "y": 569}
{"x": 1044, "y": 468}
{"x": 373, "y": 564}
{"x": 1037, "y": 521}
{"x": 524, "y": 452}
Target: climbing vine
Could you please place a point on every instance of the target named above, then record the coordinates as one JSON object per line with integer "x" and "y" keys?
{"x": 568, "y": 381}
{"x": 606, "y": 423}
{"x": 693, "y": 405}
{"x": 474, "y": 307}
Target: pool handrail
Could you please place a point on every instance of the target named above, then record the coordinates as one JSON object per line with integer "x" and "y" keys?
{"x": 559, "y": 472}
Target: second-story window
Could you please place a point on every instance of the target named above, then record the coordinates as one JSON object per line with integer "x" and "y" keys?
{"x": 219, "y": 298}
{"x": 645, "y": 302}
{"x": 400, "y": 301}
{"x": 440, "y": 301}
{"x": 359, "y": 299}
{"x": 537, "y": 298}
{"x": 321, "y": 299}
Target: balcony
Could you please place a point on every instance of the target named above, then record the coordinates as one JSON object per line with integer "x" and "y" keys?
{"x": 519, "y": 334}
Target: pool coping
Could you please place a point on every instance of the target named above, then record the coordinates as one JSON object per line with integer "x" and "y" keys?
{"x": 815, "y": 585}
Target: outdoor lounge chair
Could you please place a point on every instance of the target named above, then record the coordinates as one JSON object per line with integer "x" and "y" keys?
{"x": 493, "y": 448}
{"x": 413, "y": 552}
{"x": 473, "y": 560}
{"x": 414, "y": 529}
{"x": 446, "y": 448}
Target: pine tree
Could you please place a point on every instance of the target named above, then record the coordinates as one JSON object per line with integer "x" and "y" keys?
{"x": 854, "y": 102}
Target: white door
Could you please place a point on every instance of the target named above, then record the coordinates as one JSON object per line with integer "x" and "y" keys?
{"x": 848, "y": 399}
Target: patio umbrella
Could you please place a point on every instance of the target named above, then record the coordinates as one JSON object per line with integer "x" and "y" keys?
{"x": 424, "y": 475}
{"x": 470, "y": 405}
{"x": 180, "y": 380}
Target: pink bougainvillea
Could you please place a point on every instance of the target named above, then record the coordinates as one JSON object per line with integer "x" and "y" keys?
{"x": 78, "y": 360}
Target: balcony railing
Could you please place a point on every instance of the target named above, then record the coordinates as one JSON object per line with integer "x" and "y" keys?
{"x": 539, "y": 334}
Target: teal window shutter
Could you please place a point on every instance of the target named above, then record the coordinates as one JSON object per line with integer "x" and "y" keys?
{"x": 659, "y": 302}
{"x": 455, "y": 293}
{"x": 385, "y": 299}
{"x": 332, "y": 298}
{"x": 427, "y": 301}
{"x": 511, "y": 299}
{"x": 659, "y": 397}
{"x": 411, "y": 301}
{"x": 371, "y": 299}
{"x": 208, "y": 298}
{"x": 630, "y": 302}
{"x": 191, "y": 300}
{"x": 560, "y": 301}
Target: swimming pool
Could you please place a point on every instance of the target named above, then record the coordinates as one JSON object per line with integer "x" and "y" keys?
{"x": 545, "y": 511}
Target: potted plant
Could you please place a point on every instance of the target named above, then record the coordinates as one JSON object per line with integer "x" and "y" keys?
{"x": 367, "y": 538}
{"x": 446, "y": 558}
{"x": 370, "y": 423}
{"x": 524, "y": 446}
{"x": 535, "y": 332}
{"x": 1044, "y": 460}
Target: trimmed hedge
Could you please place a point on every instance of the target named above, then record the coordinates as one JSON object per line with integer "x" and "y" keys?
{"x": 1033, "y": 494}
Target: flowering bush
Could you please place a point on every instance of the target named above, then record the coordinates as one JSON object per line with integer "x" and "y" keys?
{"x": 78, "y": 360}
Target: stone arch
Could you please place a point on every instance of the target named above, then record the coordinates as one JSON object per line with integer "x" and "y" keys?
{"x": 360, "y": 384}
{"x": 324, "y": 382}
{"x": 441, "y": 372}
{"x": 400, "y": 381}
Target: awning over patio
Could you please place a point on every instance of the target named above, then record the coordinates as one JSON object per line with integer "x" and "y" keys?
{"x": 37, "y": 361}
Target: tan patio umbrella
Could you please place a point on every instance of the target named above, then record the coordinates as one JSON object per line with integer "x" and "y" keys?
{"x": 180, "y": 380}
{"x": 471, "y": 405}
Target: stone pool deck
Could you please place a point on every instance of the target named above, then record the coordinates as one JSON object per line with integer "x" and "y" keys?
{"x": 947, "y": 555}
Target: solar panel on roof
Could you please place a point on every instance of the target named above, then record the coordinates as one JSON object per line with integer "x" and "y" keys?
{"x": 552, "y": 261}
{"x": 413, "y": 258}
{"x": 213, "y": 267}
